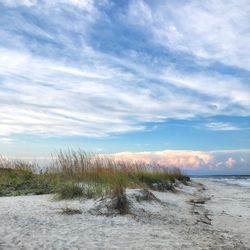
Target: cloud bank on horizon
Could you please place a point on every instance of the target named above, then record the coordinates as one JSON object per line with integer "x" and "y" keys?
{"x": 193, "y": 161}
{"x": 98, "y": 68}
{"x": 189, "y": 161}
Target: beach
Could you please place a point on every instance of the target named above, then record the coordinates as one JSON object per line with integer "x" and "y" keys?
{"x": 230, "y": 206}
{"x": 206, "y": 214}
{"x": 124, "y": 125}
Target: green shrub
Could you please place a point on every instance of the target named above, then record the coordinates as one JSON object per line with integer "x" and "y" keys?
{"x": 70, "y": 191}
{"x": 17, "y": 181}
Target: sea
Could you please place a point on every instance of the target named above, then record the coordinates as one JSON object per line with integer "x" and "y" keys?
{"x": 238, "y": 180}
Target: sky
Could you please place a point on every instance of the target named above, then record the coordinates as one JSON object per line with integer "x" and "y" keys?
{"x": 163, "y": 81}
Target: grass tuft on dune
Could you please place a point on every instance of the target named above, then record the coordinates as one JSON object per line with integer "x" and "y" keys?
{"x": 75, "y": 174}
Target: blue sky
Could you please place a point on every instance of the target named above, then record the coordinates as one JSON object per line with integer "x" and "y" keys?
{"x": 167, "y": 81}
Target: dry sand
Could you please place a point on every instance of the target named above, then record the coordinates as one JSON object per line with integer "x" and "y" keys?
{"x": 229, "y": 208}
{"x": 170, "y": 221}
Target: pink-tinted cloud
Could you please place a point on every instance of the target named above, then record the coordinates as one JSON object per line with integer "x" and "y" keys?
{"x": 170, "y": 158}
{"x": 230, "y": 162}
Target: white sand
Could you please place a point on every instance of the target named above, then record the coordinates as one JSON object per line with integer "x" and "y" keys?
{"x": 230, "y": 208}
{"x": 35, "y": 222}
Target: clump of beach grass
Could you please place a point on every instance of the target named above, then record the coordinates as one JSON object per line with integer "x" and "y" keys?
{"x": 120, "y": 201}
{"x": 70, "y": 190}
{"x": 77, "y": 174}
{"x": 100, "y": 176}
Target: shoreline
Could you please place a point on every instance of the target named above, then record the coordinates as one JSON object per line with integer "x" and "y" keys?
{"x": 230, "y": 208}
{"x": 190, "y": 218}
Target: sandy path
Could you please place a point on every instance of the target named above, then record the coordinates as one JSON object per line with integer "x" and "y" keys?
{"x": 34, "y": 222}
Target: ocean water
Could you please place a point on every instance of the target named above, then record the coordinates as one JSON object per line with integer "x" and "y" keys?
{"x": 238, "y": 180}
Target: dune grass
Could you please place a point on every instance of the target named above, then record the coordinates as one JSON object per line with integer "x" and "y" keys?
{"x": 19, "y": 178}
{"x": 75, "y": 174}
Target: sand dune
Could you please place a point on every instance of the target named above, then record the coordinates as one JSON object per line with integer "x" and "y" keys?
{"x": 187, "y": 219}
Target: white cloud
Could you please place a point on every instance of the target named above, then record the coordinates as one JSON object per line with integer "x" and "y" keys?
{"x": 214, "y": 30}
{"x": 231, "y": 151}
{"x": 169, "y": 158}
{"x": 15, "y": 3}
{"x": 242, "y": 160}
{"x": 221, "y": 126}
{"x": 6, "y": 140}
{"x": 191, "y": 159}
{"x": 81, "y": 91}
{"x": 48, "y": 97}
{"x": 87, "y": 5}
{"x": 230, "y": 89}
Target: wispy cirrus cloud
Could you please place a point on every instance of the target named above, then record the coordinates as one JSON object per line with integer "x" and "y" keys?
{"x": 213, "y": 30}
{"x": 47, "y": 97}
{"x": 58, "y": 78}
{"x": 221, "y": 126}
{"x": 6, "y": 140}
{"x": 85, "y": 4}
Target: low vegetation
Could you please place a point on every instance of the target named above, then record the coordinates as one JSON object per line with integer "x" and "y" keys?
{"x": 19, "y": 178}
{"x": 78, "y": 174}
{"x": 70, "y": 211}
{"x": 120, "y": 202}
